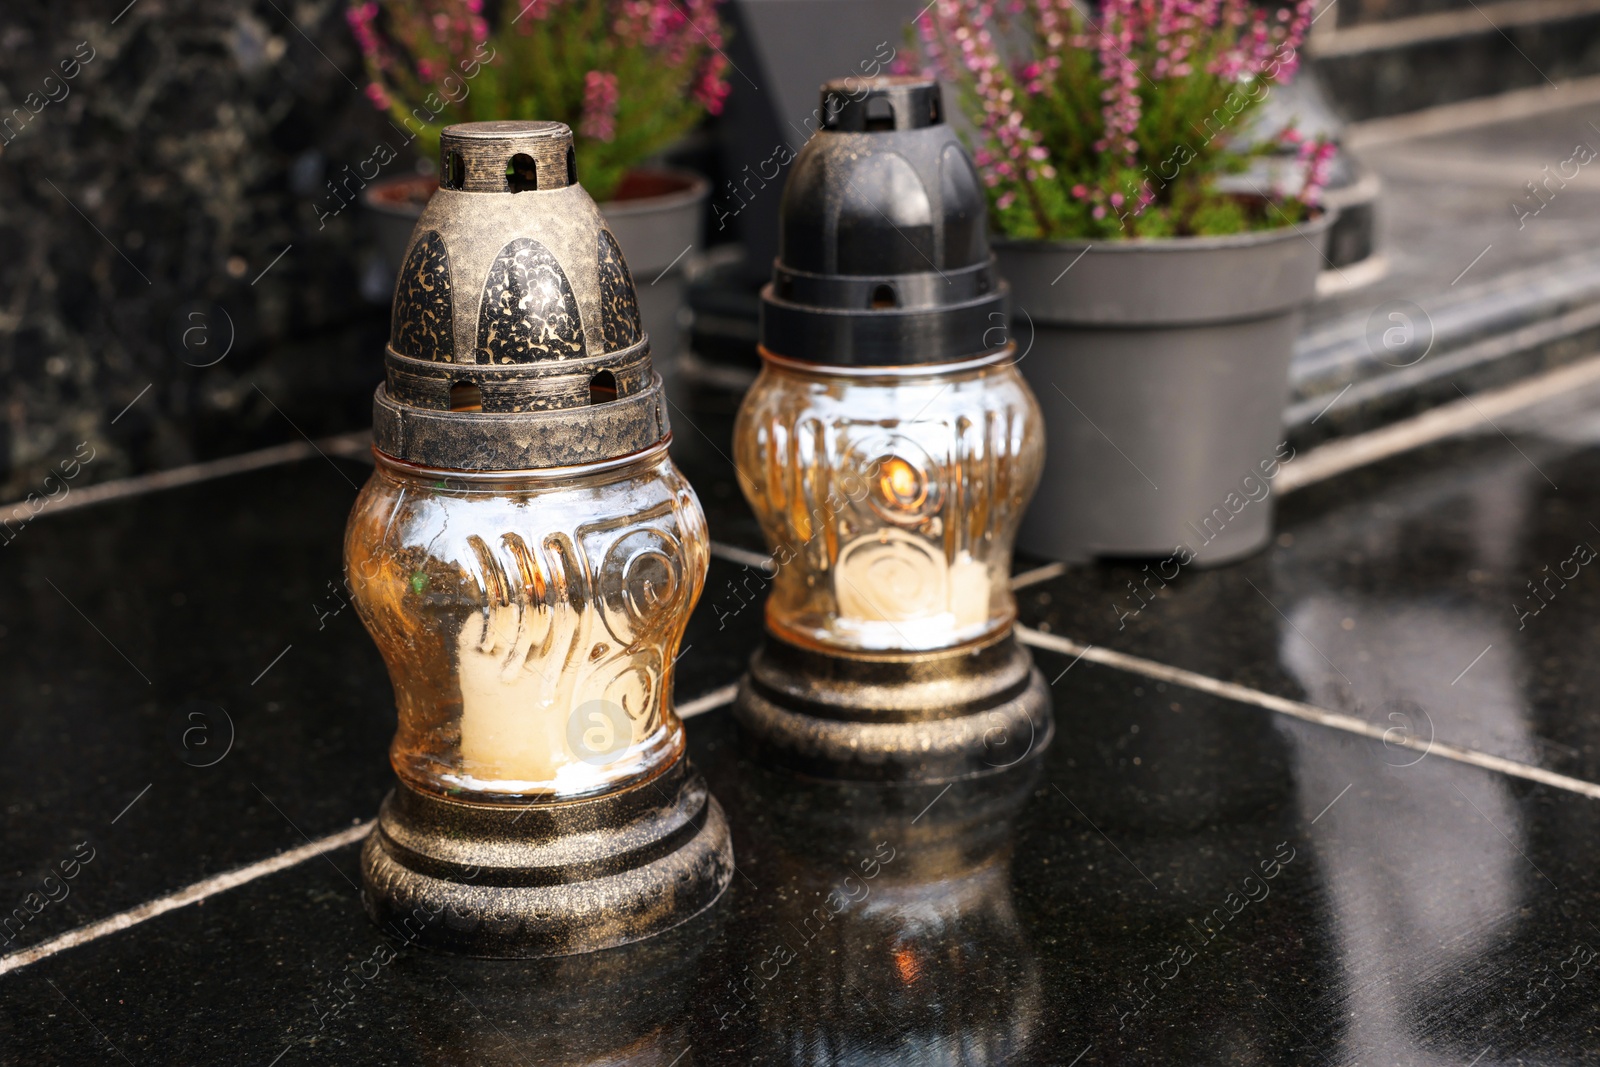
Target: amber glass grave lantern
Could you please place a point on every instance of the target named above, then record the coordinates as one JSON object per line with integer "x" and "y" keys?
{"x": 888, "y": 449}
{"x": 526, "y": 556}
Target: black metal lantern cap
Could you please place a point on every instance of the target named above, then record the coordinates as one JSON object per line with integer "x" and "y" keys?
{"x": 515, "y": 341}
{"x": 883, "y": 253}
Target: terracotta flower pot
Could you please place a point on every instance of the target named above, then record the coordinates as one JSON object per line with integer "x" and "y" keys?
{"x": 1163, "y": 368}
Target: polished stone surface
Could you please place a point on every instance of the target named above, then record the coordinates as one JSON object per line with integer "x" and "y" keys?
{"x": 1399, "y": 590}
{"x": 1105, "y": 901}
{"x": 1113, "y": 901}
{"x": 175, "y": 245}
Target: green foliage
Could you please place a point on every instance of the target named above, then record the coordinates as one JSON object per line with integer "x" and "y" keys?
{"x": 1127, "y": 127}
{"x": 629, "y": 76}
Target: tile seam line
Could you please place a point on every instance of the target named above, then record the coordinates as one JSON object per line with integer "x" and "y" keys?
{"x": 221, "y": 883}
{"x": 1394, "y": 439}
{"x": 345, "y": 446}
{"x": 1305, "y": 712}
{"x": 191, "y": 894}
{"x": 208, "y": 887}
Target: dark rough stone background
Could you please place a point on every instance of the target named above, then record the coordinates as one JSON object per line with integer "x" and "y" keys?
{"x": 198, "y": 141}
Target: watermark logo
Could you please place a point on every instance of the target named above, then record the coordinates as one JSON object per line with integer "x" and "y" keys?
{"x": 599, "y": 731}
{"x": 1399, "y": 333}
{"x": 998, "y": 334}
{"x": 1003, "y": 743}
{"x": 201, "y": 334}
{"x": 1407, "y": 732}
{"x": 200, "y": 733}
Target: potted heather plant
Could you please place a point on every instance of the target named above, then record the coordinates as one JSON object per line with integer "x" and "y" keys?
{"x": 629, "y": 76}
{"x": 1157, "y": 283}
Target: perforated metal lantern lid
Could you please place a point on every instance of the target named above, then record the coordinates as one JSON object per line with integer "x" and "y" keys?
{"x": 515, "y": 341}
{"x": 883, "y": 253}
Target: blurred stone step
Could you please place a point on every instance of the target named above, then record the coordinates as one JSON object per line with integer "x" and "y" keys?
{"x": 1489, "y": 221}
{"x": 1364, "y": 12}
{"x": 1398, "y": 65}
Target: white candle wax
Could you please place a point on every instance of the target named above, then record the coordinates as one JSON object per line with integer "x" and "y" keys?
{"x": 896, "y": 578}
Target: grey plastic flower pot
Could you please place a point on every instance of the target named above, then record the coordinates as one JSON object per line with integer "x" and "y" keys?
{"x": 656, "y": 233}
{"x": 1162, "y": 367}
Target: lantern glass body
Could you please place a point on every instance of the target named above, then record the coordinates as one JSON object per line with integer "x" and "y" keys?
{"x": 890, "y": 497}
{"x": 529, "y": 620}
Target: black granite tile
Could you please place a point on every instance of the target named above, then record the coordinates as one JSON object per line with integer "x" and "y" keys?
{"x": 702, "y": 446}
{"x": 1110, "y": 903}
{"x": 170, "y": 682}
{"x": 184, "y": 656}
{"x": 1398, "y": 594}
{"x": 724, "y": 630}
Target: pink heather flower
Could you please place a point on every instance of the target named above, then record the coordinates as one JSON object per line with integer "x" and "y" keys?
{"x": 713, "y": 88}
{"x": 1318, "y": 158}
{"x": 1121, "y": 76}
{"x": 412, "y": 48}
{"x": 360, "y": 18}
{"x": 1031, "y": 71}
{"x": 599, "y": 106}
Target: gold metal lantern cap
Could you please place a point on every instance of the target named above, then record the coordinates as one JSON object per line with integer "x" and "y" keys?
{"x": 526, "y": 556}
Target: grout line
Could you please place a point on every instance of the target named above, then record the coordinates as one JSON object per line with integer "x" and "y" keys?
{"x": 232, "y": 879}
{"x": 1435, "y": 424}
{"x": 346, "y": 445}
{"x": 1037, "y": 575}
{"x": 1298, "y": 710}
{"x": 708, "y": 701}
{"x": 1317, "y": 465}
{"x": 742, "y": 556}
{"x": 1336, "y": 457}
{"x": 182, "y": 898}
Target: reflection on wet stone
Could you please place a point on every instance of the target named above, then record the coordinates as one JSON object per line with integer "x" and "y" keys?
{"x": 892, "y": 935}
{"x": 627, "y": 1005}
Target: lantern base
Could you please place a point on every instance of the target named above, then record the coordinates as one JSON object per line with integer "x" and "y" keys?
{"x": 550, "y": 879}
{"x": 909, "y": 717}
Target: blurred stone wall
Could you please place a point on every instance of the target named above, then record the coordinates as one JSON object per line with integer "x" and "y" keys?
{"x": 162, "y": 171}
